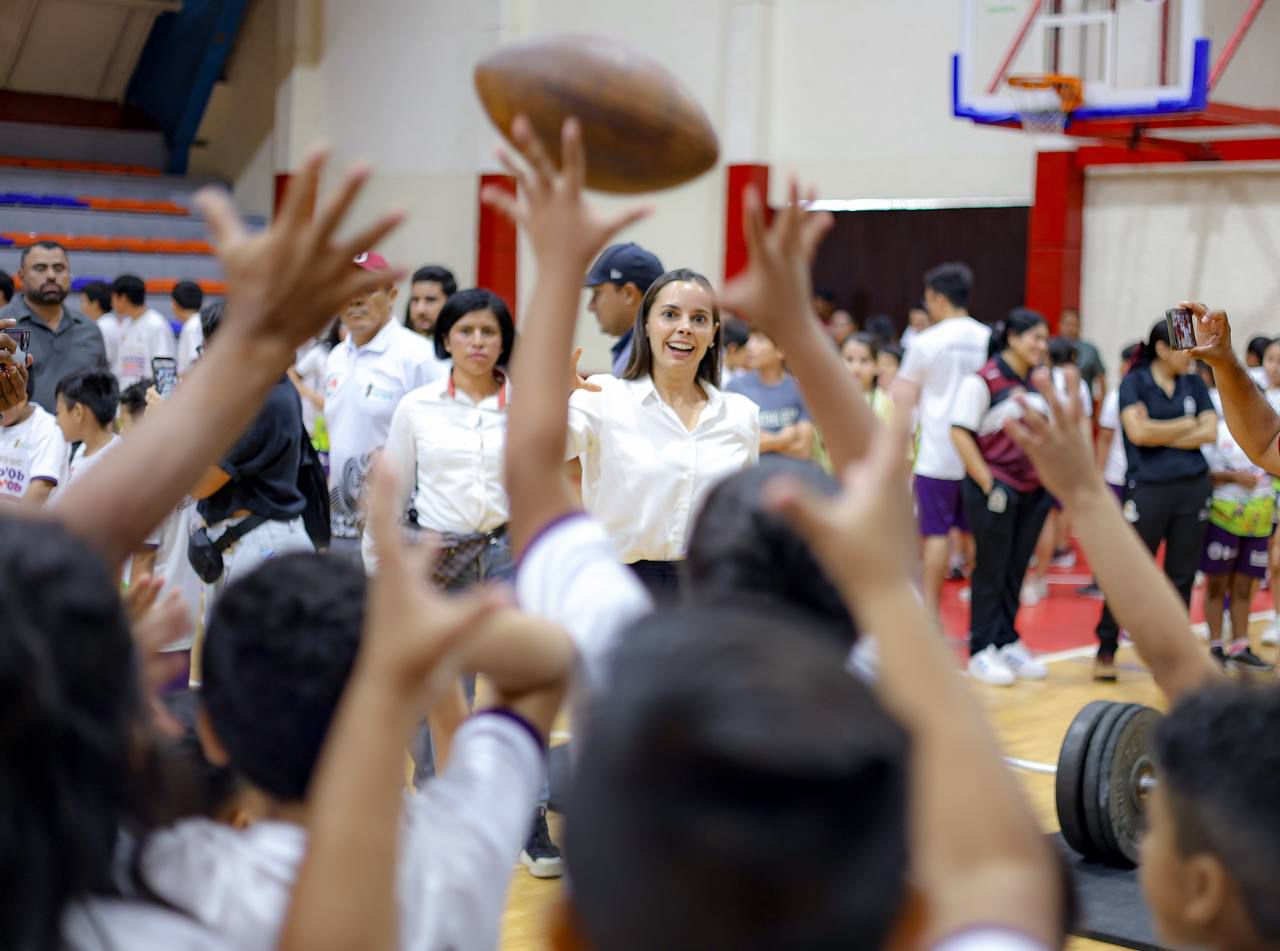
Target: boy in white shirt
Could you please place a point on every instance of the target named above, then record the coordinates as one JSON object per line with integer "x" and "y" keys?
{"x": 267, "y": 700}
{"x": 95, "y": 303}
{"x": 144, "y": 333}
{"x": 33, "y": 454}
{"x": 187, "y": 299}
{"x": 365, "y": 377}
{"x": 952, "y": 348}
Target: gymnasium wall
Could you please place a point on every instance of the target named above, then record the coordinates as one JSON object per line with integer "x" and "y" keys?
{"x": 1155, "y": 237}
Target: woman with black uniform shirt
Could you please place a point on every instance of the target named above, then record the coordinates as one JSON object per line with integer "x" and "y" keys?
{"x": 1166, "y": 415}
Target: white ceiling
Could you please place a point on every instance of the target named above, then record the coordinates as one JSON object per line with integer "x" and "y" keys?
{"x": 82, "y": 48}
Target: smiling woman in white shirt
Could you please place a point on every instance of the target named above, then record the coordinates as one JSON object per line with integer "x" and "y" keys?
{"x": 654, "y": 443}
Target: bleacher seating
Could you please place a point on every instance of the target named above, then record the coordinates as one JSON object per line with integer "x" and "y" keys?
{"x": 113, "y": 219}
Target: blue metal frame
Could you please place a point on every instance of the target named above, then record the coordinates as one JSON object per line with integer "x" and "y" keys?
{"x": 1195, "y": 102}
{"x": 183, "y": 59}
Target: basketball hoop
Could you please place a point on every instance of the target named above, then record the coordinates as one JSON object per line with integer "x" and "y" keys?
{"x": 1045, "y": 102}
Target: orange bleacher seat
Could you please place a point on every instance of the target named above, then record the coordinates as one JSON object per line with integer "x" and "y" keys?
{"x": 67, "y": 165}
{"x": 134, "y": 205}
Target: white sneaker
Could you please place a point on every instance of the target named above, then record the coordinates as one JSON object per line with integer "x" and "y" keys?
{"x": 988, "y": 667}
{"x": 1033, "y": 592}
{"x": 1271, "y": 636}
{"x": 1066, "y": 559}
{"x": 1019, "y": 660}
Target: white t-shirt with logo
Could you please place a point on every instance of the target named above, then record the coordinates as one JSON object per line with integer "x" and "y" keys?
{"x": 81, "y": 463}
{"x": 363, "y": 386}
{"x": 174, "y": 567}
{"x": 141, "y": 339}
{"x": 29, "y": 450}
{"x": 940, "y": 358}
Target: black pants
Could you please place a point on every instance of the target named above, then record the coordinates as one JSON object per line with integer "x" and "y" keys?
{"x": 1006, "y": 525}
{"x": 660, "y": 578}
{"x": 1174, "y": 513}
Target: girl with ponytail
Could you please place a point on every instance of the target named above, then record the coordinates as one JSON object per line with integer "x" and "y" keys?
{"x": 1166, "y": 415}
{"x": 1004, "y": 501}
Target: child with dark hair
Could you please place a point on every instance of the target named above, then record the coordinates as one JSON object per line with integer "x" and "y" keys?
{"x": 785, "y": 427}
{"x": 861, "y": 354}
{"x": 144, "y": 331}
{"x": 33, "y": 453}
{"x": 187, "y": 299}
{"x": 87, "y": 401}
{"x": 95, "y": 302}
{"x": 267, "y": 703}
{"x": 735, "y": 335}
{"x": 1209, "y": 870}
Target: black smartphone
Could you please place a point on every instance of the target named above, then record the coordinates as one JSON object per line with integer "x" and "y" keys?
{"x": 164, "y": 370}
{"x": 1182, "y": 330}
{"x": 22, "y": 337}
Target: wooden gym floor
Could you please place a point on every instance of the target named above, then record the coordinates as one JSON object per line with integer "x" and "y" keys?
{"x": 1030, "y": 718}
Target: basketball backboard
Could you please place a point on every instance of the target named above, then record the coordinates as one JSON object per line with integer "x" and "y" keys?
{"x": 1132, "y": 57}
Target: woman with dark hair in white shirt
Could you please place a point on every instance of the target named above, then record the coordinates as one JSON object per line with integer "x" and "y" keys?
{"x": 654, "y": 443}
{"x": 446, "y": 440}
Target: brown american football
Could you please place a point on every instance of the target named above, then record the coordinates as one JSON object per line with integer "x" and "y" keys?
{"x": 641, "y": 128}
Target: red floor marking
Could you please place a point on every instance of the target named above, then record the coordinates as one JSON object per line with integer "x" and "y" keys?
{"x": 1062, "y": 621}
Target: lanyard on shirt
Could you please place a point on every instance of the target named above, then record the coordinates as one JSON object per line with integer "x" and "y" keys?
{"x": 502, "y": 388}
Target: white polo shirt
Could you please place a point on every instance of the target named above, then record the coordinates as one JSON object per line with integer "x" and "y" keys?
{"x": 449, "y": 449}
{"x": 29, "y": 450}
{"x": 189, "y": 342}
{"x": 644, "y": 475}
{"x": 363, "y": 386}
{"x": 459, "y": 839}
{"x": 141, "y": 339}
{"x": 940, "y": 358}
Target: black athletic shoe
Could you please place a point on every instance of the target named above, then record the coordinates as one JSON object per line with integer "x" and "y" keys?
{"x": 1091, "y": 590}
{"x": 540, "y": 855}
{"x": 1250, "y": 661}
{"x": 1219, "y": 655}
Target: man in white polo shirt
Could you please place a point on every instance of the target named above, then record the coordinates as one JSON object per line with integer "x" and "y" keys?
{"x": 365, "y": 377}
{"x": 953, "y": 347}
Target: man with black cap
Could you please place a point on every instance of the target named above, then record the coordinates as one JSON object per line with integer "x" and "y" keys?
{"x": 618, "y": 282}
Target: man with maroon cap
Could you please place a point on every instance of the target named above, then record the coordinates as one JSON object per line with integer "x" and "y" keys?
{"x": 365, "y": 377}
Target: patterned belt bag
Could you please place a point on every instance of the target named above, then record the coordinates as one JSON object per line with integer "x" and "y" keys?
{"x": 460, "y": 552}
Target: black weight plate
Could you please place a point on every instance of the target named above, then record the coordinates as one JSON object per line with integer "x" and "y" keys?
{"x": 1094, "y": 819}
{"x": 1070, "y": 776}
{"x": 1112, "y": 854}
{"x": 1125, "y": 759}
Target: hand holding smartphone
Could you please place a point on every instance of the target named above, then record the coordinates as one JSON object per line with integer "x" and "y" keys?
{"x": 1182, "y": 331}
{"x": 22, "y": 337}
{"x": 164, "y": 370}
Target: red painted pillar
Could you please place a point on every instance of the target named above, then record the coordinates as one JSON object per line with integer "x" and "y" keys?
{"x": 735, "y": 245}
{"x": 1055, "y": 235}
{"x": 496, "y": 245}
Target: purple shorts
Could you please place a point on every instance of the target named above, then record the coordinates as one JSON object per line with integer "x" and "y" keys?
{"x": 1225, "y": 553}
{"x": 939, "y": 506}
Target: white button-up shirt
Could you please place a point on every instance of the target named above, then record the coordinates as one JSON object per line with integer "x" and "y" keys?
{"x": 449, "y": 448}
{"x": 363, "y": 386}
{"x": 644, "y": 475}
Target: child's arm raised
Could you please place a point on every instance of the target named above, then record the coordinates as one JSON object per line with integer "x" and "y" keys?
{"x": 566, "y": 234}
{"x": 976, "y": 848}
{"x": 775, "y": 294}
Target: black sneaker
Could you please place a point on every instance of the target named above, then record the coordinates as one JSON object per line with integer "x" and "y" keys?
{"x": 540, "y": 855}
{"x": 1091, "y": 590}
{"x": 1219, "y": 655}
{"x": 1250, "y": 661}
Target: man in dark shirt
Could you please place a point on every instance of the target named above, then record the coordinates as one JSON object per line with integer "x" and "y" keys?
{"x": 258, "y": 480}
{"x": 62, "y": 339}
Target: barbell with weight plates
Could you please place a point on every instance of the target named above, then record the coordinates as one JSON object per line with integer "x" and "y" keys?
{"x": 1104, "y": 775}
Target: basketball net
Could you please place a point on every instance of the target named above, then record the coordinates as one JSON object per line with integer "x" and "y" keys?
{"x": 1034, "y": 109}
